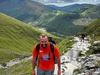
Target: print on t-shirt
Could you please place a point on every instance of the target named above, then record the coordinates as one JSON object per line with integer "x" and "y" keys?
{"x": 46, "y": 56}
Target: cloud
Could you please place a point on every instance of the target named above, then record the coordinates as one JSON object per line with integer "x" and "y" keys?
{"x": 67, "y": 2}
{"x": 55, "y": 1}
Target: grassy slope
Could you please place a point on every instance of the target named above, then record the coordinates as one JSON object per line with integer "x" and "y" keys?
{"x": 24, "y": 68}
{"x": 93, "y": 30}
{"x": 92, "y": 11}
{"x": 65, "y": 44}
{"x": 17, "y": 38}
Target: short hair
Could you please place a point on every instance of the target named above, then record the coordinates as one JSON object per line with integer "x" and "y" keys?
{"x": 43, "y": 36}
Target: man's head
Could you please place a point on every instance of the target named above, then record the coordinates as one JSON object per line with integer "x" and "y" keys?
{"x": 44, "y": 40}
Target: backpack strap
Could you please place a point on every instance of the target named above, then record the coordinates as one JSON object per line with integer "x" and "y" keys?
{"x": 37, "y": 49}
{"x": 52, "y": 49}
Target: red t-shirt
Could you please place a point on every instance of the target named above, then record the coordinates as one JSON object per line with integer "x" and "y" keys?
{"x": 45, "y": 57}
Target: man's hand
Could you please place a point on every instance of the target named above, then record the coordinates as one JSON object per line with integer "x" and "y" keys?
{"x": 59, "y": 72}
{"x": 33, "y": 72}
{"x": 59, "y": 68}
{"x": 33, "y": 65}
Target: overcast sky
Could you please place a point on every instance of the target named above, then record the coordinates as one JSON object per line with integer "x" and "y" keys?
{"x": 67, "y": 2}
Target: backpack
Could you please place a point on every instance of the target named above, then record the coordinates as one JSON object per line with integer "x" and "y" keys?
{"x": 51, "y": 48}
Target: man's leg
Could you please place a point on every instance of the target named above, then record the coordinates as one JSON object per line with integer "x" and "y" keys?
{"x": 49, "y": 72}
{"x": 40, "y": 72}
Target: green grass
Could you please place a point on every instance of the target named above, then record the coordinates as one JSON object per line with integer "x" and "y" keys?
{"x": 93, "y": 30}
{"x": 15, "y": 36}
{"x": 65, "y": 44}
{"x": 5, "y": 55}
{"x": 24, "y": 68}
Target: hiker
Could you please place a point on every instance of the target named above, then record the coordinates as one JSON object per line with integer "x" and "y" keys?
{"x": 45, "y": 57}
{"x": 50, "y": 40}
{"x": 82, "y": 37}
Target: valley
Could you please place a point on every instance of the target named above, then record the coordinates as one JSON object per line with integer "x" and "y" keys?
{"x": 23, "y": 21}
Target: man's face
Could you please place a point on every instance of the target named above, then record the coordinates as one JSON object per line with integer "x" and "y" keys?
{"x": 44, "y": 42}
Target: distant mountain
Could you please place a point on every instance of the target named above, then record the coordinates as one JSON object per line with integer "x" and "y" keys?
{"x": 54, "y": 21}
{"x": 89, "y": 11}
{"x": 69, "y": 7}
{"x": 2, "y": 1}
{"x": 69, "y": 23}
{"x": 61, "y": 23}
{"x": 24, "y": 10}
{"x": 17, "y": 38}
{"x": 98, "y": 4}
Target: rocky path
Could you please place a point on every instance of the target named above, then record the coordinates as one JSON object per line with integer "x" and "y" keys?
{"x": 69, "y": 59}
{"x": 14, "y": 61}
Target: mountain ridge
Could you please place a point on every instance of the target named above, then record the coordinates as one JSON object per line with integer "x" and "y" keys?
{"x": 24, "y": 10}
{"x": 63, "y": 22}
{"x": 54, "y": 21}
{"x": 69, "y": 7}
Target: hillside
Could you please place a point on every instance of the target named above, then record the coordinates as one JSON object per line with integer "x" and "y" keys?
{"x": 24, "y": 10}
{"x": 93, "y": 30}
{"x": 91, "y": 11}
{"x": 60, "y": 23}
{"x": 17, "y": 38}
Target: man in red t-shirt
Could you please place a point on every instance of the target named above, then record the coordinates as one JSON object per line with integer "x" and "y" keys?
{"x": 45, "y": 58}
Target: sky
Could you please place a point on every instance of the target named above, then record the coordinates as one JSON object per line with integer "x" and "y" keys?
{"x": 67, "y": 2}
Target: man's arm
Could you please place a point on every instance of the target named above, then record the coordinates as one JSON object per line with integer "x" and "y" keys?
{"x": 57, "y": 57}
{"x": 59, "y": 67}
{"x": 33, "y": 65}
